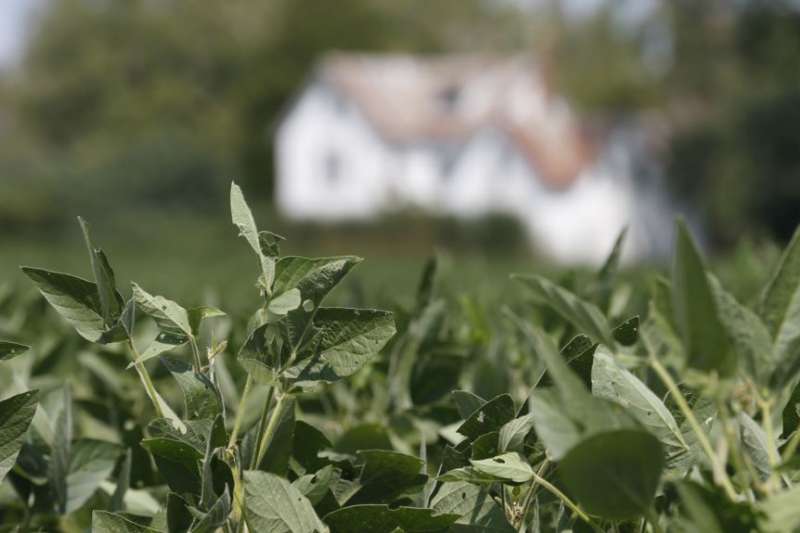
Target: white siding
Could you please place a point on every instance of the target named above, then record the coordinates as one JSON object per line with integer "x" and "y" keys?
{"x": 323, "y": 132}
{"x": 332, "y": 165}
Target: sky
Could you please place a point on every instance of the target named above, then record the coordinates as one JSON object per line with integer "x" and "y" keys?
{"x": 14, "y": 15}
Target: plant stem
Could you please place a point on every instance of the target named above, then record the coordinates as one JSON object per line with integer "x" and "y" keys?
{"x": 740, "y": 460}
{"x": 272, "y": 425}
{"x": 719, "y": 469}
{"x": 652, "y": 518}
{"x": 237, "y": 422}
{"x": 563, "y": 497}
{"x": 144, "y": 376}
{"x": 198, "y": 363}
{"x": 791, "y": 448}
{"x": 531, "y": 492}
{"x": 772, "y": 444}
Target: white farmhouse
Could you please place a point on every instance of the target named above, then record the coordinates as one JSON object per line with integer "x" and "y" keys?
{"x": 466, "y": 136}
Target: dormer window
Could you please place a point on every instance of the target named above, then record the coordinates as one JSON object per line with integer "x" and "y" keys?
{"x": 332, "y": 167}
{"x": 448, "y": 97}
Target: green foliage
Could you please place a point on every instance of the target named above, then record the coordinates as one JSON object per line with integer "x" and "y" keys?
{"x": 543, "y": 416}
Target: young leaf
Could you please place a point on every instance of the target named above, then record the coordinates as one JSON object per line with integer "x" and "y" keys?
{"x": 77, "y": 301}
{"x": 586, "y": 317}
{"x": 384, "y": 519}
{"x": 110, "y": 300}
{"x": 695, "y": 308}
{"x": 169, "y": 316}
{"x": 510, "y": 467}
{"x": 614, "y": 474}
{"x": 273, "y": 504}
{"x": 746, "y": 332}
{"x": 16, "y": 414}
{"x": 10, "y": 350}
{"x": 613, "y": 382}
{"x": 242, "y": 218}
{"x": 778, "y": 300}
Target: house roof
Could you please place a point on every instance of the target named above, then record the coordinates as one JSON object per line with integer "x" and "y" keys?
{"x": 452, "y": 98}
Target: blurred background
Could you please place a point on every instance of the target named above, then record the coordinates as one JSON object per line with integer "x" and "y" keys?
{"x": 510, "y": 133}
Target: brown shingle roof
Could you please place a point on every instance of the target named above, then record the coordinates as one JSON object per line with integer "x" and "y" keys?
{"x": 411, "y": 99}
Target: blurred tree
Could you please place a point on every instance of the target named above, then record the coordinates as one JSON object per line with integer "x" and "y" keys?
{"x": 160, "y": 102}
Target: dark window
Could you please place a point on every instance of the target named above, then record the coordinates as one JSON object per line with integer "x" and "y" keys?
{"x": 449, "y": 97}
{"x": 332, "y": 168}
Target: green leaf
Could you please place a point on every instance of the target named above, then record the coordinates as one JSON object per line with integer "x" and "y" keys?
{"x": 614, "y": 474}
{"x": 510, "y": 467}
{"x": 756, "y": 445}
{"x": 385, "y": 474}
{"x": 778, "y": 303}
{"x": 586, "y": 317}
{"x": 782, "y": 511}
{"x": 344, "y": 340}
{"x": 468, "y": 474}
{"x": 314, "y": 278}
{"x": 285, "y": 302}
{"x": 364, "y": 437}
{"x": 77, "y": 301}
{"x": 513, "y": 433}
{"x": 198, "y": 314}
{"x": 696, "y": 314}
{"x": 474, "y": 505}
{"x": 164, "y": 342}
{"x": 110, "y": 300}
{"x": 273, "y": 504}
{"x": 308, "y": 442}
{"x": 169, "y": 316}
{"x": 613, "y": 382}
{"x": 201, "y": 397}
{"x": 216, "y": 516}
{"x": 557, "y": 431}
{"x": 746, "y": 332}
{"x": 16, "y": 414}
{"x": 105, "y": 522}
{"x": 466, "y": 402}
{"x": 90, "y": 463}
{"x": 490, "y": 417}
{"x": 627, "y": 333}
{"x": 242, "y": 218}
{"x": 383, "y": 519}
{"x": 711, "y": 511}
{"x": 10, "y": 350}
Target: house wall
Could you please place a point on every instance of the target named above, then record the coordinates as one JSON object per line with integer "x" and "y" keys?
{"x": 332, "y": 165}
